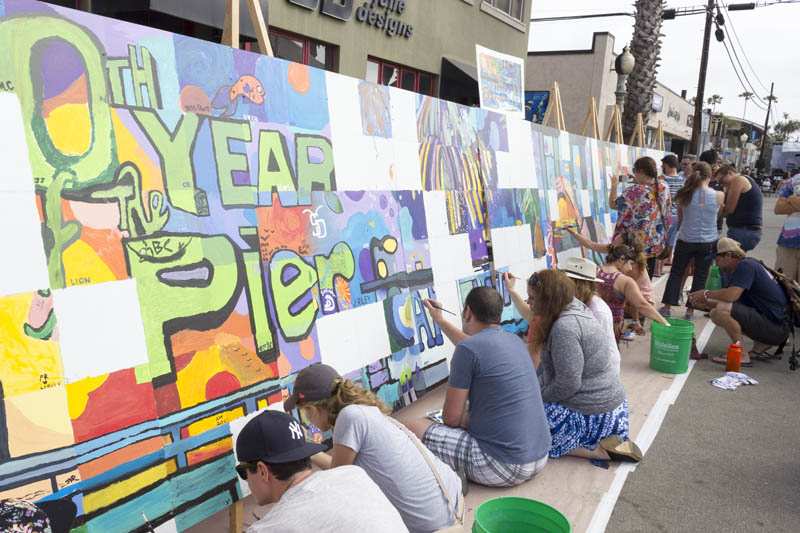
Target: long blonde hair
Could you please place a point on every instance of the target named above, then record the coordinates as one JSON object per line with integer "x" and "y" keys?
{"x": 552, "y": 292}
{"x": 343, "y": 393}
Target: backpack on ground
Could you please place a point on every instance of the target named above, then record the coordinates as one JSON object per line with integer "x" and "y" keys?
{"x": 791, "y": 289}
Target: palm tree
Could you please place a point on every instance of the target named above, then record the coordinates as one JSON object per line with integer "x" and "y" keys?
{"x": 713, "y": 100}
{"x": 747, "y": 96}
{"x": 646, "y": 48}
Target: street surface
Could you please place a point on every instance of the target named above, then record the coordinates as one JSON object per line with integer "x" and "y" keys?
{"x": 723, "y": 460}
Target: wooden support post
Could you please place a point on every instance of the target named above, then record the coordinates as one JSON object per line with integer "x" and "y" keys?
{"x": 230, "y": 31}
{"x": 260, "y": 27}
{"x": 591, "y": 120}
{"x": 637, "y": 136}
{"x": 236, "y": 517}
{"x": 615, "y": 127}
{"x": 658, "y": 142}
{"x": 554, "y": 109}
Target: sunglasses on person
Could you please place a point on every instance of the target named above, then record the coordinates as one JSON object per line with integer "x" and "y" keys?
{"x": 244, "y": 468}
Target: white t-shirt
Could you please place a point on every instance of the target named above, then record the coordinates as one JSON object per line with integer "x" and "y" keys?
{"x": 395, "y": 464}
{"x": 602, "y": 313}
{"x": 340, "y": 499}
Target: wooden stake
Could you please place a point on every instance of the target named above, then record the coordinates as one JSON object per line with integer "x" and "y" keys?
{"x": 554, "y": 109}
{"x": 260, "y": 27}
{"x": 591, "y": 119}
{"x": 659, "y": 140}
{"x": 615, "y": 126}
{"x": 637, "y": 137}
{"x": 230, "y": 31}
{"x": 236, "y": 517}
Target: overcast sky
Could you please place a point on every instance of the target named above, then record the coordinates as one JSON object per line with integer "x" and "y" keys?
{"x": 769, "y": 36}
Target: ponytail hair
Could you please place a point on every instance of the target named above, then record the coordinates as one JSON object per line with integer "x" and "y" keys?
{"x": 345, "y": 392}
{"x": 700, "y": 172}
{"x": 620, "y": 251}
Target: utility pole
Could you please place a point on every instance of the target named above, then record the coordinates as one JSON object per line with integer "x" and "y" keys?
{"x": 694, "y": 147}
{"x": 761, "y": 163}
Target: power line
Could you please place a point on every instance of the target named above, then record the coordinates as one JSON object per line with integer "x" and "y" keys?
{"x": 730, "y": 58}
{"x": 741, "y": 47}
{"x": 744, "y": 74}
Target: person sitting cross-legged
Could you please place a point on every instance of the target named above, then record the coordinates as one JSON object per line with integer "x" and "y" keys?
{"x": 502, "y": 438}
{"x": 274, "y": 459}
{"x": 584, "y": 399}
{"x": 752, "y": 304}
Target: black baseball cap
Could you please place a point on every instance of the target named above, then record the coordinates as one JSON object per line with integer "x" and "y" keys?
{"x": 312, "y": 384}
{"x": 274, "y": 437}
{"x": 671, "y": 160}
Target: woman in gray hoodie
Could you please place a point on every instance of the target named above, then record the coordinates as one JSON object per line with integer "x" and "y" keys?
{"x": 584, "y": 398}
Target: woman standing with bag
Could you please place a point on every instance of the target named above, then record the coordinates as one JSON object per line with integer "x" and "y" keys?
{"x": 698, "y": 205}
{"x": 425, "y": 491}
{"x": 647, "y": 205}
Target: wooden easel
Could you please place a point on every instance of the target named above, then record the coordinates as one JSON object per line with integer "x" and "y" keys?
{"x": 591, "y": 120}
{"x": 554, "y": 108}
{"x": 230, "y": 33}
{"x": 615, "y": 127}
{"x": 230, "y": 37}
{"x": 637, "y": 137}
{"x": 658, "y": 142}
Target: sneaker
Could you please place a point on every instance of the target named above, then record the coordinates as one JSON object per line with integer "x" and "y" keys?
{"x": 689, "y": 314}
{"x": 629, "y": 335}
{"x": 665, "y": 311}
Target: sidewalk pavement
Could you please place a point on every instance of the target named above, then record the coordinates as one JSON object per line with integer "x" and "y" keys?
{"x": 580, "y": 490}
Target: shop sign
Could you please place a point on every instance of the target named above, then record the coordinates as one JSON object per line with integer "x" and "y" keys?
{"x": 380, "y": 14}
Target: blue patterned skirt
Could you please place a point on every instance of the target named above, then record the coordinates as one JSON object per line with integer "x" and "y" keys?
{"x": 571, "y": 429}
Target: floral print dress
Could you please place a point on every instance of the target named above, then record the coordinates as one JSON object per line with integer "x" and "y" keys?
{"x": 646, "y": 213}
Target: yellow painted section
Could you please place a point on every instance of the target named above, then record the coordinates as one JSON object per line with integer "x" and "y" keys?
{"x": 70, "y": 128}
{"x": 116, "y": 491}
{"x": 262, "y": 403}
{"x": 38, "y": 421}
{"x": 192, "y": 378}
{"x": 25, "y": 360}
{"x": 78, "y": 394}
{"x": 81, "y": 261}
{"x": 129, "y": 149}
{"x": 204, "y": 424}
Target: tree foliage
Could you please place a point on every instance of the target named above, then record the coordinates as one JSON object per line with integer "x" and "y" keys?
{"x": 646, "y": 49}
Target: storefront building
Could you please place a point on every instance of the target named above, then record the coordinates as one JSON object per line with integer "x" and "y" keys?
{"x": 582, "y": 74}
{"x": 426, "y": 46}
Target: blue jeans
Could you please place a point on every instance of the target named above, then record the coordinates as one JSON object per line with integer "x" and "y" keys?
{"x": 672, "y": 234}
{"x": 748, "y": 238}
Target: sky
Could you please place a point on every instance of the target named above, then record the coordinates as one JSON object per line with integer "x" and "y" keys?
{"x": 768, "y": 37}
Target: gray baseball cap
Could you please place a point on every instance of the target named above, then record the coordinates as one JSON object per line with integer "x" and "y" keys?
{"x": 312, "y": 384}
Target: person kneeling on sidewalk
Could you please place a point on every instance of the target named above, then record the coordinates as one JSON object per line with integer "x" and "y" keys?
{"x": 502, "y": 439}
{"x": 753, "y": 304}
{"x": 274, "y": 460}
{"x": 584, "y": 399}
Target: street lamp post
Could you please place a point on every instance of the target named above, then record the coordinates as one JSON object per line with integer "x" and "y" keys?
{"x": 623, "y": 66}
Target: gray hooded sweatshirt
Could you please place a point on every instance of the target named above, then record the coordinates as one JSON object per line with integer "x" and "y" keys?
{"x": 576, "y": 370}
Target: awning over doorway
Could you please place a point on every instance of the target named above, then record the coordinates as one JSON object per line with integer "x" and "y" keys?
{"x": 459, "y": 82}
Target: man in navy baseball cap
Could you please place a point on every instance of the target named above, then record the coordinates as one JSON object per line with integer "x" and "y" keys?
{"x": 274, "y": 459}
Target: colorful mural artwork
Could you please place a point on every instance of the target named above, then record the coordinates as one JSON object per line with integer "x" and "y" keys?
{"x": 500, "y": 81}
{"x": 191, "y": 225}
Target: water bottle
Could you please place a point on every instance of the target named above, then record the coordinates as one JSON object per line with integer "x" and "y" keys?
{"x": 734, "y": 359}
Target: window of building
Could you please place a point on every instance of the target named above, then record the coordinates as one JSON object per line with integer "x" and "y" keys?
{"x": 394, "y": 75}
{"x": 300, "y": 49}
{"x": 512, "y": 8}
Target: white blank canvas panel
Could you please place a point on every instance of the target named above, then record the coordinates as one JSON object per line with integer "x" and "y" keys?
{"x": 512, "y": 245}
{"x": 516, "y": 169}
{"x": 436, "y": 213}
{"x": 24, "y": 269}
{"x": 353, "y": 339}
{"x": 450, "y": 257}
{"x": 100, "y": 328}
{"x": 15, "y": 170}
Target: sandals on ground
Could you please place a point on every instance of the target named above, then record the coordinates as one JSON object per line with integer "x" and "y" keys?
{"x": 721, "y": 360}
{"x": 624, "y": 451}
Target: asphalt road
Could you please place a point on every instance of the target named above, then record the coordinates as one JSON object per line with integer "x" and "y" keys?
{"x": 723, "y": 460}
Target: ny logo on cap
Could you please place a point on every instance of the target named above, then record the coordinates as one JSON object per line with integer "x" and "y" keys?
{"x": 297, "y": 431}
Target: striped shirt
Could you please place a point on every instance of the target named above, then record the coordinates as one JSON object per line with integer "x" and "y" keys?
{"x": 675, "y": 183}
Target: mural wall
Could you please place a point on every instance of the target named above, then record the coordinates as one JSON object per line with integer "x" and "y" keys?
{"x": 187, "y": 226}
